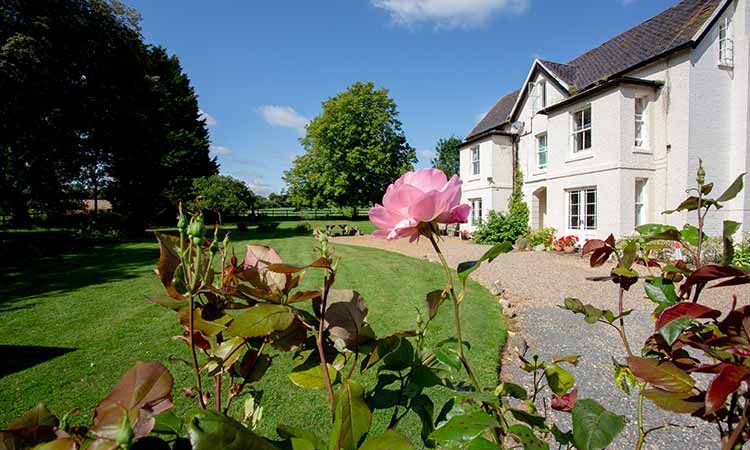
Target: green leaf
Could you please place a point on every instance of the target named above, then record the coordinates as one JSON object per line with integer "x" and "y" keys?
{"x": 496, "y": 250}
{"x": 671, "y": 331}
{"x": 289, "y": 432}
{"x": 732, "y": 190}
{"x": 689, "y": 204}
{"x": 352, "y": 417}
{"x": 690, "y": 234}
{"x": 449, "y": 358}
{"x": 594, "y": 428}
{"x": 662, "y": 292}
{"x": 528, "y": 418}
{"x": 464, "y": 427}
{"x": 301, "y": 444}
{"x": 261, "y": 320}
{"x": 528, "y": 439}
{"x": 511, "y": 390}
{"x": 465, "y": 269}
{"x": 654, "y": 231}
{"x": 661, "y": 374}
{"x": 482, "y": 444}
{"x": 624, "y": 378}
{"x": 628, "y": 254}
{"x": 167, "y": 302}
{"x": 679, "y": 402}
{"x": 559, "y": 379}
{"x": 425, "y": 409}
{"x": 401, "y": 357}
{"x": 730, "y": 227}
{"x": 383, "y": 347}
{"x": 311, "y": 376}
{"x": 434, "y": 300}
{"x": 210, "y": 430}
{"x": 426, "y": 377}
{"x": 391, "y": 440}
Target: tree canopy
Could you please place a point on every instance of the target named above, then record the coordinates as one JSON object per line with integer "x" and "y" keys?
{"x": 447, "y": 155}
{"x": 353, "y": 150}
{"x": 224, "y": 195}
{"x": 88, "y": 107}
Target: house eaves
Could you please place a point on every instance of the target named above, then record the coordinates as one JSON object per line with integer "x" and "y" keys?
{"x": 601, "y": 87}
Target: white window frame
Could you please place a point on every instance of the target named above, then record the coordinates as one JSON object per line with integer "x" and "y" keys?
{"x": 583, "y": 213}
{"x": 578, "y": 129}
{"x": 475, "y": 160}
{"x": 726, "y": 43}
{"x": 542, "y": 150}
{"x": 641, "y": 122}
{"x": 640, "y": 201}
{"x": 476, "y": 210}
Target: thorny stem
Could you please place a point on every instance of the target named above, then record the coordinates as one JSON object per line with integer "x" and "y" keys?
{"x": 621, "y": 329}
{"x": 730, "y": 443}
{"x": 641, "y": 433}
{"x": 457, "y": 316}
{"x": 319, "y": 342}
{"x": 196, "y": 369}
{"x": 456, "y": 312}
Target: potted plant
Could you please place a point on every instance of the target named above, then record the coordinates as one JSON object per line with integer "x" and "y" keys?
{"x": 465, "y": 235}
{"x": 570, "y": 243}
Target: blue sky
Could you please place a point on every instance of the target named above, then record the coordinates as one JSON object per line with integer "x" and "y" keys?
{"x": 262, "y": 68}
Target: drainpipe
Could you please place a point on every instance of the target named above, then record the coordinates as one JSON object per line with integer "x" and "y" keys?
{"x": 516, "y": 129}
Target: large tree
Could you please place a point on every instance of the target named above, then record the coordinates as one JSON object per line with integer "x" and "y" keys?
{"x": 223, "y": 195}
{"x": 353, "y": 150}
{"x": 447, "y": 155}
{"x": 87, "y": 104}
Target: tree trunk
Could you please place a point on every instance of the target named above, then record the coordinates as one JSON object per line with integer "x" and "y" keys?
{"x": 20, "y": 212}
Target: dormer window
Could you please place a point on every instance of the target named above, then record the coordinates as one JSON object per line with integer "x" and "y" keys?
{"x": 726, "y": 43}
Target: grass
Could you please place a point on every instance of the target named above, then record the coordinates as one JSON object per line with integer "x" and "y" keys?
{"x": 72, "y": 324}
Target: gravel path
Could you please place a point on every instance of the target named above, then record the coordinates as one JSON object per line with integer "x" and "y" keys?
{"x": 535, "y": 283}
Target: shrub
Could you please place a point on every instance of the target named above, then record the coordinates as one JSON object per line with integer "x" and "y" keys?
{"x": 303, "y": 228}
{"x": 504, "y": 227}
{"x": 267, "y": 227}
{"x": 536, "y": 237}
{"x": 742, "y": 253}
{"x": 241, "y": 226}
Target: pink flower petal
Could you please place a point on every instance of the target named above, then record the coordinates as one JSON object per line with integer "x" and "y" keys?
{"x": 458, "y": 214}
{"x": 426, "y": 179}
{"x": 399, "y": 198}
{"x": 384, "y": 218}
{"x": 424, "y": 209}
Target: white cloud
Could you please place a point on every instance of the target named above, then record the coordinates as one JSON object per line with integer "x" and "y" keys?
{"x": 628, "y": 2}
{"x": 219, "y": 150}
{"x": 203, "y": 115}
{"x": 426, "y": 154}
{"x": 284, "y": 116}
{"x": 448, "y": 14}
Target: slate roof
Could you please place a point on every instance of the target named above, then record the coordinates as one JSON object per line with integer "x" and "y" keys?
{"x": 666, "y": 32}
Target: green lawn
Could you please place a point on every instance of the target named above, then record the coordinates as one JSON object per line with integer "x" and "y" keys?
{"x": 90, "y": 304}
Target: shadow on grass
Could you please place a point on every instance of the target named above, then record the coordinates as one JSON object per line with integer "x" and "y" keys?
{"x": 37, "y": 269}
{"x": 16, "y": 358}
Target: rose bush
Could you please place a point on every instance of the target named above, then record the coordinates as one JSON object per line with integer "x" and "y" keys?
{"x": 238, "y": 316}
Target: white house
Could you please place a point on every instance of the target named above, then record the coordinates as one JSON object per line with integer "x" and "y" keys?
{"x": 612, "y": 138}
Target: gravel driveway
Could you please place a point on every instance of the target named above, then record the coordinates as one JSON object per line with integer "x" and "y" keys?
{"x": 535, "y": 283}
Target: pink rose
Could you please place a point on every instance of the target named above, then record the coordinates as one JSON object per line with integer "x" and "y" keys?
{"x": 422, "y": 196}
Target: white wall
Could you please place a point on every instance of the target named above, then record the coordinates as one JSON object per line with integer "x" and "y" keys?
{"x": 494, "y": 183}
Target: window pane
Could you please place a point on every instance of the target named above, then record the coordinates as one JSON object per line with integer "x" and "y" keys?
{"x": 587, "y": 117}
{"x": 587, "y": 139}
